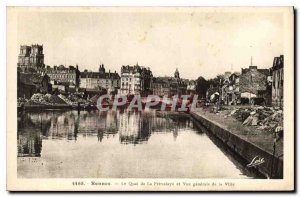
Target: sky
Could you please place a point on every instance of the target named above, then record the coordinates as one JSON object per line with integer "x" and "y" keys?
{"x": 197, "y": 42}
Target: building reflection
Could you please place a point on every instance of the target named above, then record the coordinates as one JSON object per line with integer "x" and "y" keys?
{"x": 29, "y": 144}
{"x": 130, "y": 127}
{"x": 102, "y": 124}
{"x": 29, "y": 136}
{"x": 136, "y": 127}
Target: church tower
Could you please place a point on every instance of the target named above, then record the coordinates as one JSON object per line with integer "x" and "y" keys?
{"x": 101, "y": 69}
{"x": 176, "y": 74}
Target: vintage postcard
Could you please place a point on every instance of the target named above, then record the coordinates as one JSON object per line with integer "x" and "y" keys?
{"x": 150, "y": 99}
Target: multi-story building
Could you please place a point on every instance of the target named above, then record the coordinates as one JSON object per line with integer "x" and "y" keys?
{"x": 164, "y": 86}
{"x": 225, "y": 86}
{"x": 170, "y": 85}
{"x": 135, "y": 80}
{"x": 251, "y": 86}
{"x": 253, "y": 83}
{"x": 31, "y": 58}
{"x": 98, "y": 81}
{"x": 61, "y": 75}
{"x": 160, "y": 86}
{"x": 230, "y": 89}
{"x": 277, "y": 81}
{"x": 178, "y": 85}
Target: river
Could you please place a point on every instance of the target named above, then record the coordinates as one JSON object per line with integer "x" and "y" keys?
{"x": 118, "y": 144}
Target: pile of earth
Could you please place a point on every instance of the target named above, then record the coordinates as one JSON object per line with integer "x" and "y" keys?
{"x": 66, "y": 100}
{"x": 75, "y": 98}
{"x": 21, "y": 101}
{"x": 46, "y": 99}
{"x": 265, "y": 118}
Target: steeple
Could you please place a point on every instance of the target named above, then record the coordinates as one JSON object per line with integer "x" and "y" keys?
{"x": 101, "y": 69}
{"x": 176, "y": 74}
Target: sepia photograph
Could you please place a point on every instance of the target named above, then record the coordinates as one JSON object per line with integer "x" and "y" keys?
{"x": 150, "y": 98}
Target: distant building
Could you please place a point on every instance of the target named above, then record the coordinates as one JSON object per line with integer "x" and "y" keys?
{"x": 253, "y": 83}
{"x": 170, "y": 86}
{"x": 251, "y": 68}
{"x": 178, "y": 85}
{"x": 191, "y": 87}
{"x": 231, "y": 91}
{"x": 31, "y": 58}
{"x": 225, "y": 86}
{"x": 135, "y": 80}
{"x": 157, "y": 85}
{"x": 30, "y": 83}
{"x": 61, "y": 75}
{"x": 162, "y": 86}
{"x": 98, "y": 81}
{"x": 277, "y": 81}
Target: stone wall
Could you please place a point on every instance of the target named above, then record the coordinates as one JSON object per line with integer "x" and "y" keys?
{"x": 272, "y": 166}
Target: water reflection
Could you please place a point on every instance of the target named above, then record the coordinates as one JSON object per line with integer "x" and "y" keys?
{"x": 131, "y": 127}
{"x": 117, "y": 144}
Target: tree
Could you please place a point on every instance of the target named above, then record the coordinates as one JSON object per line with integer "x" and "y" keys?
{"x": 201, "y": 86}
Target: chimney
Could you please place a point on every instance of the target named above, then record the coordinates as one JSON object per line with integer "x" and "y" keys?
{"x": 252, "y": 67}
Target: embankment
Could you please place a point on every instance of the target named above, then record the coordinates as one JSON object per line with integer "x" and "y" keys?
{"x": 267, "y": 163}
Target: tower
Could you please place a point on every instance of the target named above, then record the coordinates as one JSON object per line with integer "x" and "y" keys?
{"x": 37, "y": 56}
{"x": 31, "y": 57}
{"x": 24, "y": 56}
{"x": 176, "y": 74}
{"x": 101, "y": 69}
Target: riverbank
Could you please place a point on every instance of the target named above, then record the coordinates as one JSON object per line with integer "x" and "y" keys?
{"x": 247, "y": 141}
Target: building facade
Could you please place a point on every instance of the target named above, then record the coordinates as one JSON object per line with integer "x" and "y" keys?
{"x": 251, "y": 86}
{"x": 253, "y": 83}
{"x": 61, "y": 75}
{"x": 230, "y": 90}
{"x": 98, "y": 81}
{"x": 169, "y": 86}
{"x": 161, "y": 86}
{"x": 31, "y": 58}
{"x": 135, "y": 80}
{"x": 277, "y": 81}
